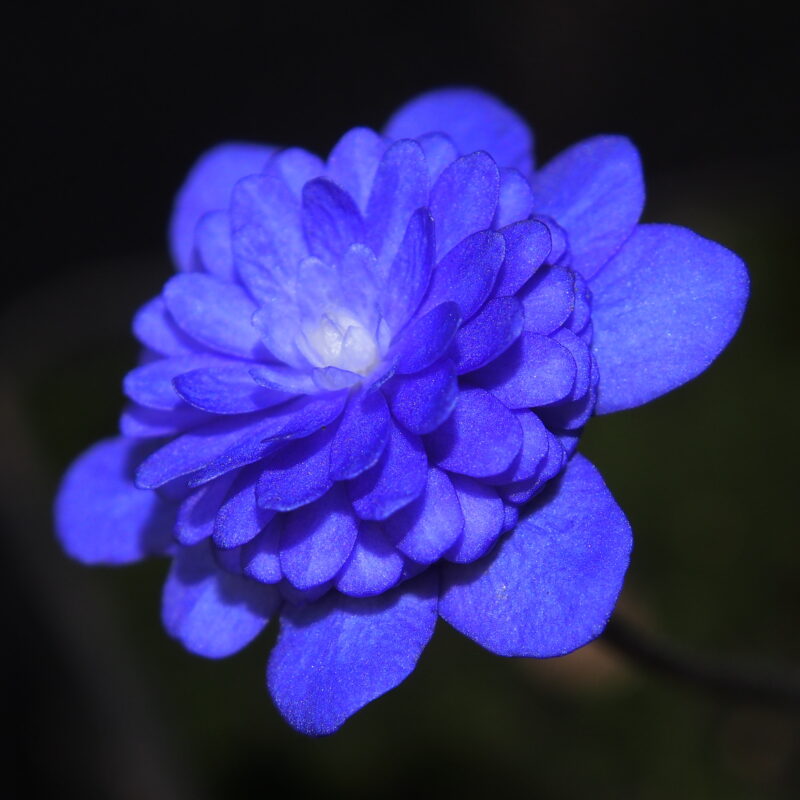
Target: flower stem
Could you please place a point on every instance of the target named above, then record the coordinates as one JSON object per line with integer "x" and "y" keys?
{"x": 764, "y": 685}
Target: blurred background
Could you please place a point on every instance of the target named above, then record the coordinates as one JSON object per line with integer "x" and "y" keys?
{"x": 107, "y": 106}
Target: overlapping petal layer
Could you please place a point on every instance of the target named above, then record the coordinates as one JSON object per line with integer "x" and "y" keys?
{"x": 369, "y": 370}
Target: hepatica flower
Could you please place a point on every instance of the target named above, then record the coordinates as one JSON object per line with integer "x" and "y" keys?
{"x": 359, "y": 399}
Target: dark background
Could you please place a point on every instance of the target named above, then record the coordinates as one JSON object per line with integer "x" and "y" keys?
{"x": 107, "y": 106}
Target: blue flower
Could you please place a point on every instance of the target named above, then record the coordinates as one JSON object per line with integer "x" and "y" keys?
{"x": 359, "y": 400}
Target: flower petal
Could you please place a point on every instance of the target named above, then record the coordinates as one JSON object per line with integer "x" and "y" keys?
{"x": 423, "y": 401}
{"x": 198, "y": 511}
{"x": 338, "y": 654}
{"x": 467, "y": 273}
{"x": 208, "y": 188}
{"x": 212, "y": 245}
{"x": 397, "y": 478}
{"x": 481, "y": 437}
{"x": 101, "y": 516}
{"x": 297, "y": 473}
{"x": 261, "y": 556}
{"x": 239, "y": 519}
{"x": 474, "y": 120}
{"x": 528, "y": 243}
{"x": 317, "y": 539}
{"x": 464, "y": 199}
{"x": 488, "y": 334}
{"x": 426, "y": 339}
{"x": 664, "y": 309}
{"x": 212, "y": 612}
{"x": 374, "y": 565}
{"x": 399, "y": 189}
{"x": 361, "y": 436}
{"x": 267, "y": 232}
{"x": 534, "y": 371}
{"x": 151, "y": 384}
{"x": 215, "y": 313}
{"x": 295, "y": 167}
{"x": 331, "y": 220}
{"x": 548, "y": 299}
{"x": 154, "y": 327}
{"x": 407, "y": 280}
{"x": 515, "y": 201}
{"x": 595, "y": 191}
{"x": 439, "y": 151}
{"x": 484, "y": 517}
{"x": 354, "y": 161}
{"x": 552, "y": 583}
{"x": 429, "y": 526}
{"x": 228, "y": 389}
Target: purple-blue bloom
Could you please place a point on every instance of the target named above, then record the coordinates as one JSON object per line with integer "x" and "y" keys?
{"x": 359, "y": 400}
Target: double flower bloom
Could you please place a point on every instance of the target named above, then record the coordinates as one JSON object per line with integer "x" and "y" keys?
{"x": 359, "y": 401}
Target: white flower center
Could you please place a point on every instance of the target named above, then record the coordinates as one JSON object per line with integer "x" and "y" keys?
{"x": 338, "y": 339}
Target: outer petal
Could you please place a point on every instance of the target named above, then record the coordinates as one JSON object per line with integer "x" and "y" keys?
{"x": 212, "y": 612}
{"x": 552, "y": 584}
{"x": 595, "y": 191}
{"x": 208, "y": 188}
{"x": 474, "y": 120}
{"x": 101, "y": 517}
{"x": 336, "y": 655}
{"x": 664, "y": 309}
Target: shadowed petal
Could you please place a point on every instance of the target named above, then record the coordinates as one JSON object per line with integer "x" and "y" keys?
{"x": 101, "y": 517}
{"x": 528, "y": 244}
{"x": 210, "y": 611}
{"x": 467, "y": 273}
{"x": 481, "y": 437}
{"x": 338, "y": 654}
{"x": 331, "y": 220}
{"x": 488, "y": 334}
{"x": 407, "y": 280}
{"x": 426, "y": 528}
{"x": 397, "y": 478}
{"x": 423, "y": 401}
{"x": 317, "y": 539}
{"x": 484, "y": 517}
{"x": 297, "y": 473}
{"x": 374, "y": 565}
{"x": 427, "y": 338}
{"x": 534, "y": 371}
{"x": 361, "y": 436}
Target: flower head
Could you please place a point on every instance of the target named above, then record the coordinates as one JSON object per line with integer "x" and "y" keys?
{"x": 359, "y": 399}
